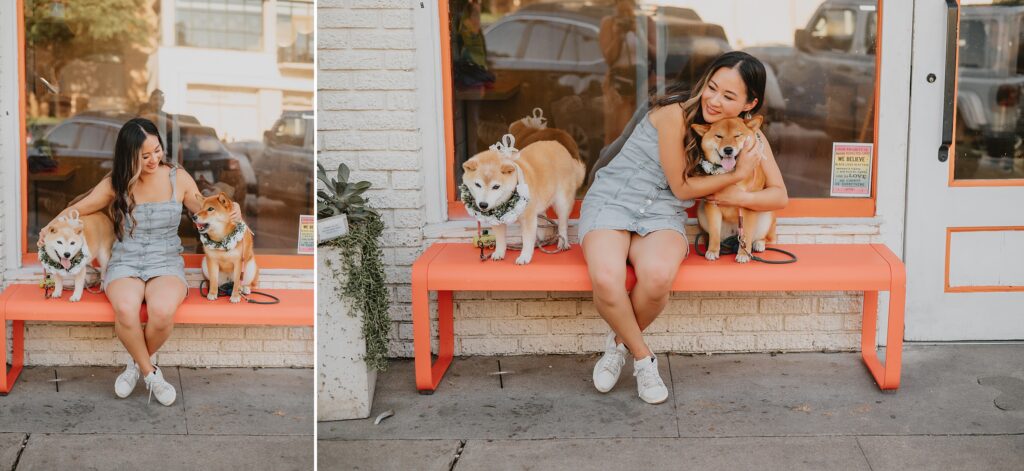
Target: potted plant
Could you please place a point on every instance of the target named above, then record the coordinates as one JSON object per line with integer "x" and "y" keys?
{"x": 352, "y": 307}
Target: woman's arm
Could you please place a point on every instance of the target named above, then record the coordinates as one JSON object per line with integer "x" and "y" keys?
{"x": 672, "y": 156}
{"x": 773, "y": 197}
{"x": 192, "y": 202}
{"x": 610, "y": 40}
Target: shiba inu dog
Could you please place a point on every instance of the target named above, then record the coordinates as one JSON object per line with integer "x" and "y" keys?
{"x": 534, "y": 128}
{"x": 70, "y": 244}
{"x": 722, "y": 143}
{"x": 228, "y": 247}
{"x": 503, "y": 184}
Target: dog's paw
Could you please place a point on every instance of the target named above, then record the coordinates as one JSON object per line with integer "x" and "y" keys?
{"x": 75, "y": 298}
{"x": 742, "y": 258}
{"x": 711, "y": 256}
{"x": 246, "y": 290}
{"x": 496, "y": 256}
{"x": 759, "y": 245}
{"x": 563, "y": 244}
{"x": 212, "y": 296}
{"x": 524, "y": 259}
{"x": 235, "y": 299}
{"x": 55, "y": 294}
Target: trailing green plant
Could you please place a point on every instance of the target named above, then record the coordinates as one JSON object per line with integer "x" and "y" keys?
{"x": 362, "y": 260}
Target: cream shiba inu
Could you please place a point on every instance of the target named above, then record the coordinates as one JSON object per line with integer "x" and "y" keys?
{"x": 70, "y": 243}
{"x": 503, "y": 184}
{"x": 228, "y": 246}
{"x": 721, "y": 143}
{"x": 534, "y": 128}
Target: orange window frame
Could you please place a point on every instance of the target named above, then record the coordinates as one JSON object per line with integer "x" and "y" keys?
{"x": 798, "y": 207}
{"x": 29, "y": 259}
{"x": 979, "y": 288}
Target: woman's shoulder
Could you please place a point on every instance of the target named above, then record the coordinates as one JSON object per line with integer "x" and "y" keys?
{"x": 668, "y": 116}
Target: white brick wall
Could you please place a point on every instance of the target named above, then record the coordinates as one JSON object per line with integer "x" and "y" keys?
{"x": 367, "y": 119}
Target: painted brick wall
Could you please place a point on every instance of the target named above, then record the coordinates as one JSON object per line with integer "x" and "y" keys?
{"x": 368, "y": 90}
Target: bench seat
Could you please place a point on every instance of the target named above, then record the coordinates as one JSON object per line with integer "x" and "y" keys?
{"x": 25, "y": 302}
{"x": 871, "y": 268}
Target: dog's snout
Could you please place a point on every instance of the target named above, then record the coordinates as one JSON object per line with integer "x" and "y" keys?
{"x": 728, "y": 151}
{"x": 67, "y": 254}
{"x": 483, "y": 205}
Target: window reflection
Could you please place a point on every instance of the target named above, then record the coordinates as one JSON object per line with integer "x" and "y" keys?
{"x": 593, "y": 65}
{"x": 233, "y": 119}
{"x": 989, "y": 126}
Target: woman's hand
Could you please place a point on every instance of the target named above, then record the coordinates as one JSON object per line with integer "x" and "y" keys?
{"x": 236, "y": 212}
{"x": 731, "y": 195}
{"x": 749, "y": 158}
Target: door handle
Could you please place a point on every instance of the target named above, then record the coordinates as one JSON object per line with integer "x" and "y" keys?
{"x": 949, "y": 90}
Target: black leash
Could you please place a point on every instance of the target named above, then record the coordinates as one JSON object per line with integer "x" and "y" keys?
{"x": 731, "y": 245}
{"x": 226, "y": 288}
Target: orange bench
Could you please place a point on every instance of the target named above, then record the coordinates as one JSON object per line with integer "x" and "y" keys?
{"x": 20, "y": 303}
{"x": 448, "y": 267}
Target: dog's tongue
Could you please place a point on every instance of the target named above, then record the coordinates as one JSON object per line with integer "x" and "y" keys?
{"x": 728, "y": 163}
{"x": 65, "y": 262}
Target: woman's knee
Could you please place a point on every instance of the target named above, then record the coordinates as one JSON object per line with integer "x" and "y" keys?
{"x": 657, "y": 277}
{"x": 608, "y": 280}
{"x": 160, "y": 318}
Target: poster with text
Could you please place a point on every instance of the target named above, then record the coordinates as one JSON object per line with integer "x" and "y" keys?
{"x": 851, "y": 169}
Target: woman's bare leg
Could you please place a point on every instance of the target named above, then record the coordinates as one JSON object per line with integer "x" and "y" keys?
{"x": 126, "y": 295}
{"x": 655, "y": 261}
{"x": 605, "y": 251}
{"x": 163, "y": 296}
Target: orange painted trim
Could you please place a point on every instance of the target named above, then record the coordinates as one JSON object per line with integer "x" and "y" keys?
{"x": 976, "y": 289}
{"x": 22, "y": 115}
{"x": 986, "y": 183}
{"x": 798, "y": 207}
{"x": 29, "y": 259}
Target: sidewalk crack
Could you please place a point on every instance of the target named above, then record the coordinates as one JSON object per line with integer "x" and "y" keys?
{"x": 458, "y": 454}
{"x": 184, "y": 406}
{"x": 675, "y": 397}
{"x": 24, "y": 443}
{"x": 865, "y": 455}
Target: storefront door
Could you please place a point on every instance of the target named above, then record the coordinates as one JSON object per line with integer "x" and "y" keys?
{"x": 965, "y": 200}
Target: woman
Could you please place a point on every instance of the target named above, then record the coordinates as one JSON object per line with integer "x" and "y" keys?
{"x": 635, "y": 209}
{"x": 618, "y": 41}
{"x": 145, "y": 196}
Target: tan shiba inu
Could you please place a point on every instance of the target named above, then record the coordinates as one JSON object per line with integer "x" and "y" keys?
{"x": 722, "y": 143}
{"x": 70, "y": 244}
{"x": 497, "y": 178}
{"x": 228, "y": 247}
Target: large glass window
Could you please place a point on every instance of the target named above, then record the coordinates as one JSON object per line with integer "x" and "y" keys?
{"x": 295, "y": 31}
{"x": 989, "y": 124}
{"x": 222, "y": 24}
{"x": 230, "y": 118}
{"x": 511, "y": 57}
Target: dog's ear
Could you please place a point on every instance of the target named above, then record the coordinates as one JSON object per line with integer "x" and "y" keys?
{"x": 469, "y": 165}
{"x": 754, "y": 123}
{"x": 701, "y": 129}
{"x": 223, "y": 199}
{"x": 507, "y": 168}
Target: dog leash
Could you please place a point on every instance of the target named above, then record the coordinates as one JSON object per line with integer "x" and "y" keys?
{"x": 731, "y": 245}
{"x": 484, "y": 240}
{"x": 226, "y": 288}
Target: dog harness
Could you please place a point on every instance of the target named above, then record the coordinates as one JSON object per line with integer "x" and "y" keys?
{"x": 509, "y": 211}
{"x": 228, "y": 242}
{"x": 55, "y": 267}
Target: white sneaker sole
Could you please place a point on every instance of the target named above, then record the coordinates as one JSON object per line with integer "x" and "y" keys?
{"x": 659, "y": 401}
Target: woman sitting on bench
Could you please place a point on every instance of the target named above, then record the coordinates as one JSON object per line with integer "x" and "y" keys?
{"x": 144, "y": 194}
{"x": 636, "y": 207}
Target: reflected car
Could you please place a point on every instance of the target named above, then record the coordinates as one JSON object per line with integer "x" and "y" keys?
{"x": 284, "y": 168}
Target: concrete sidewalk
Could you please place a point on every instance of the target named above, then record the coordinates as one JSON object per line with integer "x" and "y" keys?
{"x": 959, "y": 407}
{"x": 223, "y": 418}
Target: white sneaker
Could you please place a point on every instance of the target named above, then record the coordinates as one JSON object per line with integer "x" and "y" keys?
{"x": 648, "y": 382}
{"x": 125, "y": 382}
{"x": 160, "y": 388}
{"x": 608, "y": 368}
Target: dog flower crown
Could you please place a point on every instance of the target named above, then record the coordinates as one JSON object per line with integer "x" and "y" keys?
{"x": 506, "y": 147}
{"x": 537, "y": 120}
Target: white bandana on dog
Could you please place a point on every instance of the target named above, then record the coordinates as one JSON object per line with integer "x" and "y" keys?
{"x": 228, "y": 242}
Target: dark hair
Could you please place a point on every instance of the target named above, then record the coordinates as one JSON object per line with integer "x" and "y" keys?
{"x": 752, "y": 72}
{"x": 127, "y": 169}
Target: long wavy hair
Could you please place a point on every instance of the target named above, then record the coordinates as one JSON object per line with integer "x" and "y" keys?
{"x": 128, "y": 168}
{"x": 752, "y": 72}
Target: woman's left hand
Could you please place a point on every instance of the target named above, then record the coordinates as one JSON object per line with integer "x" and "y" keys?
{"x": 731, "y": 195}
{"x": 236, "y": 212}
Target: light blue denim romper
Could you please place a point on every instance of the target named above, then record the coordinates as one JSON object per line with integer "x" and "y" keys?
{"x": 155, "y": 248}
{"x": 631, "y": 193}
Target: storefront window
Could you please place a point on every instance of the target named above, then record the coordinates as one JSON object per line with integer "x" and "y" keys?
{"x": 989, "y": 125}
{"x": 230, "y": 118}
{"x": 295, "y": 31}
{"x": 511, "y": 57}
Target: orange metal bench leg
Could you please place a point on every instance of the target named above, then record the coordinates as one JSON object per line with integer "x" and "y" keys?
{"x": 429, "y": 376}
{"x": 8, "y": 377}
{"x": 888, "y": 375}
